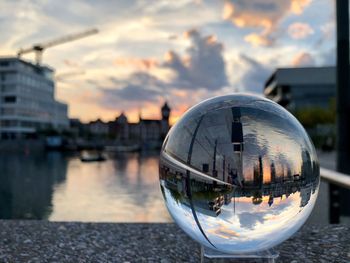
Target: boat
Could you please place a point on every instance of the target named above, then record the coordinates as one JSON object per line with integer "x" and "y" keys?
{"x": 92, "y": 157}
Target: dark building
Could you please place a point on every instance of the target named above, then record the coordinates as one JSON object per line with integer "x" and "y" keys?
{"x": 298, "y": 88}
{"x": 98, "y": 128}
{"x": 148, "y": 131}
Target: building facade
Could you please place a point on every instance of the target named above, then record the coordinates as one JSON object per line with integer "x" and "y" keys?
{"x": 149, "y": 131}
{"x": 27, "y": 100}
{"x": 300, "y": 88}
{"x": 98, "y": 128}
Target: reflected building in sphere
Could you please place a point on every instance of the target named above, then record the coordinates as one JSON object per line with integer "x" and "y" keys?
{"x": 239, "y": 173}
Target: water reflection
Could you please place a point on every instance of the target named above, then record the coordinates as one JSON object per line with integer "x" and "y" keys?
{"x": 60, "y": 187}
{"x": 27, "y": 183}
{"x": 239, "y": 173}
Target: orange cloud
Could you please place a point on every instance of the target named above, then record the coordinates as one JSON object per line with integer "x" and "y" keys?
{"x": 71, "y": 63}
{"x": 209, "y": 40}
{"x": 223, "y": 232}
{"x": 180, "y": 93}
{"x": 297, "y": 6}
{"x": 300, "y": 30}
{"x": 169, "y": 56}
{"x": 303, "y": 59}
{"x": 137, "y": 63}
{"x": 258, "y": 40}
{"x": 178, "y": 111}
{"x": 261, "y": 14}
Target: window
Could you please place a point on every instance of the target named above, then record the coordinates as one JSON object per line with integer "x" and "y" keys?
{"x": 9, "y": 99}
{"x": 8, "y": 123}
{"x": 8, "y": 88}
{"x": 8, "y": 111}
{"x": 4, "y": 63}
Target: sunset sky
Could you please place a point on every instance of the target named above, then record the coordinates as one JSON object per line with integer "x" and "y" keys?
{"x": 181, "y": 51}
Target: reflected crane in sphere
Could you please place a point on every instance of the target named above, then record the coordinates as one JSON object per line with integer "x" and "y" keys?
{"x": 39, "y": 49}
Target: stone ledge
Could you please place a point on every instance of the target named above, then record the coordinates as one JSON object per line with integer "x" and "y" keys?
{"x": 42, "y": 241}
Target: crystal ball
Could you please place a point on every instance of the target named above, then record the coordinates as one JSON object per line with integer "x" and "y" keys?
{"x": 239, "y": 174}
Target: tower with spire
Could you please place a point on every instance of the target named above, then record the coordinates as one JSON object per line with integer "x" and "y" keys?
{"x": 165, "y": 125}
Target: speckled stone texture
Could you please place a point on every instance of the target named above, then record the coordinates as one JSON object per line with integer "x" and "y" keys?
{"x": 42, "y": 241}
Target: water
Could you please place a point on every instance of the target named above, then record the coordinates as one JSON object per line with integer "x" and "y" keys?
{"x": 59, "y": 187}
{"x": 125, "y": 188}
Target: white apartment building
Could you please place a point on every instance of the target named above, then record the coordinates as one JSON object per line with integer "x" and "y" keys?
{"x": 27, "y": 100}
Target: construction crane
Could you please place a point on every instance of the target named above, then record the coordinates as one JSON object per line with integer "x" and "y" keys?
{"x": 38, "y": 49}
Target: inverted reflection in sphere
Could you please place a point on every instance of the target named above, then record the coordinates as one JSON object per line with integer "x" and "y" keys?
{"x": 239, "y": 173}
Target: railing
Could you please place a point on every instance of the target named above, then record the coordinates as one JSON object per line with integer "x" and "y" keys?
{"x": 340, "y": 179}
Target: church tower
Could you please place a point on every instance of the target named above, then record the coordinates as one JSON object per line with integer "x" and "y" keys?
{"x": 165, "y": 119}
{"x": 166, "y": 112}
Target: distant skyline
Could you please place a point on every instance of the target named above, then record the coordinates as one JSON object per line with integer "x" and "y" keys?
{"x": 181, "y": 51}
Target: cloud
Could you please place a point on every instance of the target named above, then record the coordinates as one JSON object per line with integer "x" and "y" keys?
{"x": 200, "y": 71}
{"x": 303, "y": 59}
{"x": 250, "y": 220}
{"x": 265, "y": 15}
{"x": 297, "y": 6}
{"x": 255, "y": 74}
{"x": 138, "y": 63}
{"x": 328, "y": 57}
{"x": 203, "y": 68}
{"x": 134, "y": 35}
{"x": 138, "y": 88}
{"x": 300, "y": 30}
{"x": 327, "y": 33}
{"x": 131, "y": 93}
{"x": 259, "y": 40}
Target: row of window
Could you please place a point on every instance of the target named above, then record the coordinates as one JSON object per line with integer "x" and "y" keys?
{"x": 25, "y": 113}
{"x": 29, "y": 103}
{"x": 32, "y": 81}
{"x": 24, "y": 124}
{"x": 27, "y": 92}
{"x": 9, "y": 99}
{"x": 5, "y": 63}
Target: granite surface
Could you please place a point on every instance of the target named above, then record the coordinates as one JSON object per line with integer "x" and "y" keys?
{"x": 42, "y": 241}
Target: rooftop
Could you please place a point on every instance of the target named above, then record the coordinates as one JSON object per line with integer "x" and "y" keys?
{"x": 303, "y": 75}
{"x": 27, "y": 63}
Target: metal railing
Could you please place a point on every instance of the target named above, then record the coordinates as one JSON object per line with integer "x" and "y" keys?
{"x": 340, "y": 179}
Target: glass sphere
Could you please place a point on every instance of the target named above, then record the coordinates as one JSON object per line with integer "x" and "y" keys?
{"x": 238, "y": 173}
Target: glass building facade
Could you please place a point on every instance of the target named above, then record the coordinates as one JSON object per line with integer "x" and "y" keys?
{"x": 27, "y": 101}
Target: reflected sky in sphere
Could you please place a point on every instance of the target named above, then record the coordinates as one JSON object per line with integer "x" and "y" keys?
{"x": 239, "y": 173}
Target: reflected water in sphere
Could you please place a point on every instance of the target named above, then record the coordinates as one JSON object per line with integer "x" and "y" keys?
{"x": 239, "y": 174}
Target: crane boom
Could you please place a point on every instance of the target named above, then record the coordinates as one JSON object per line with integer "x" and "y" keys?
{"x": 38, "y": 49}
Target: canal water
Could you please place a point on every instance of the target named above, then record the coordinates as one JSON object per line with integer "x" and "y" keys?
{"x": 60, "y": 187}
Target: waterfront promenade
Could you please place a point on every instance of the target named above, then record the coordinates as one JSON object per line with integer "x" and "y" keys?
{"x": 43, "y": 241}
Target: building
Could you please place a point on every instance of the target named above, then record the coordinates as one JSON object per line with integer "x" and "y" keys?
{"x": 98, "y": 128}
{"x": 121, "y": 128}
{"x": 27, "y": 100}
{"x": 298, "y": 88}
{"x": 146, "y": 131}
